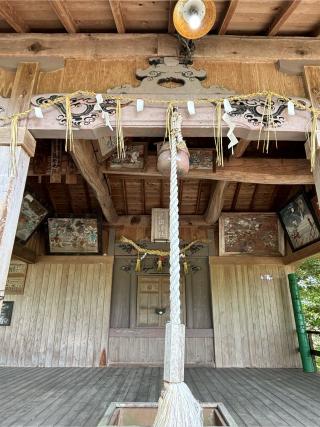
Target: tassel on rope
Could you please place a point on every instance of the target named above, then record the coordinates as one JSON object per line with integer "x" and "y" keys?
{"x": 119, "y": 132}
{"x": 313, "y": 138}
{"x": 69, "y": 132}
{"x": 168, "y": 121}
{"x": 185, "y": 267}
{"x": 267, "y": 122}
{"x": 138, "y": 265}
{"x": 159, "y": 265}
{"x": 13, "y": 145}
{"x": 217, "y": 129}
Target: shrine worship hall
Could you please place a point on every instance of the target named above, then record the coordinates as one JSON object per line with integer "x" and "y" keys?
{"x": 159, "y": 189}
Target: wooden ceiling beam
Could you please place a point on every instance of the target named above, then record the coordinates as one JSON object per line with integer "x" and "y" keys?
{"x": 283, "y": 17}
{"x": 228, "y": 16}
{"x": 115, "y": 6}
{"x": 24, "y": 253}
{"x": 84, "y": 157}
{"x": 51, "y": 50}
{"x": 250, "y": 170}
{"x": 9, "y": 14}
{"x": 61, "y": 10}
{"x": 216, "y": 202}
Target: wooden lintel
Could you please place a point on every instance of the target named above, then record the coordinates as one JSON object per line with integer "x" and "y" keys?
{"x": 144, "y": 221}
{"x": 24, "y": 254}
{"x": 284, "y": 15}
{"x": 84, "y": 157}
{"x": 250, "y": 170}
{"x": 228, "y": 16}
{"x": 115, "y": 6}
{"x": 51, "y": 50}
{"x": 216, "y": 202}
{"x": 61, "y": 10}
{"x": 8, "y": 13}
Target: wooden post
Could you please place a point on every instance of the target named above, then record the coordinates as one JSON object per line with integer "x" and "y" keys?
{"x": 312, "y": 84}
{"x": 12, "y": 188}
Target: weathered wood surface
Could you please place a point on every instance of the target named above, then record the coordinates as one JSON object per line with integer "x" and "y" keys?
{"x": 252, "y": 316}
{"x": 62, "y": 319}
{"x": 52, "y": 49}
{"x": 12, "y": 187}
{"x": 84, "y": 157}
{"x": 79, "y": 397}
{"x": 89, "y": 124}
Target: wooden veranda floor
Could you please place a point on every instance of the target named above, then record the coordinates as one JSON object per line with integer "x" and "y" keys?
{"x": 79, "y": 396}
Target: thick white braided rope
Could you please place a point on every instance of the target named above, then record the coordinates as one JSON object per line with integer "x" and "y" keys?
{"x": 175, "y": 305}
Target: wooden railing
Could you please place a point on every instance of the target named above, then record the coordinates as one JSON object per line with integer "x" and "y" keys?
{"x": 314, "y": 351}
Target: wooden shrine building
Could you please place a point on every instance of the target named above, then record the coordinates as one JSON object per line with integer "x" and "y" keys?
{"x": 75, "y": 291}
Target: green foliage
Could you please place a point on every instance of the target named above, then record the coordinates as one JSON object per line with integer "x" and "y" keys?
{"x": 309, "y": 283}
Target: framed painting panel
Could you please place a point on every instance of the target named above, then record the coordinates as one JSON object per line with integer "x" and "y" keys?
{"x": 257, "y": 234}
{"x": 316, "y": 206}
{"x": 16, "y": 277}
{"x": 32, "y": 214}
{"x": 300, "y": 222}
{"x": 74, "y": 235}
{"x": 6, "y": 313}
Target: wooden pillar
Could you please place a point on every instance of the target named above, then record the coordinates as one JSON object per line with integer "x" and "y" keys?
{"x": 312, "y": 85}
{"x": 12, "y": 188}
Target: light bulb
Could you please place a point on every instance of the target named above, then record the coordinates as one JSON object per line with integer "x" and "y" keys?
{"x": 194, "y": 20}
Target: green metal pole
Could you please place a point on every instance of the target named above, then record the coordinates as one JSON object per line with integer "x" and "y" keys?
{"x": 304, "y": 346}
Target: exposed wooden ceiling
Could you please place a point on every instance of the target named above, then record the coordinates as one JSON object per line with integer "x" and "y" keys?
{"x": 69, "y": 193}
{"x": 238, "y": 17}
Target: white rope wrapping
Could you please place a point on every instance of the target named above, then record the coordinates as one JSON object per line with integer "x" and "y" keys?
{"x": 175, "y": 305}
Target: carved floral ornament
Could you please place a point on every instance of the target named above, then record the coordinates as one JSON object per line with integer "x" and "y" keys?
{"x": 167, "y": 83}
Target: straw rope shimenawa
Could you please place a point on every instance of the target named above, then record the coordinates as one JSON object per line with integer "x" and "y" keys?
{"x": 177, "y": 406}
{"x": 266, "y": 118}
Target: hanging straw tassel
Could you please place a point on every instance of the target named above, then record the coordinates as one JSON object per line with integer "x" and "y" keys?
{"x": 138, "y": 265}
{"x": 185, "y": 267}
{"x": 13, "y": 145}
{"x": 168, "y": 121}
{"x": 69, "y": 132}
{"x": 119, "y": 132}
{"x": 217, "y": 129}
{"x": 159, "y": 265}
{"x": 313, "y": 138}
{"x": 267, "y": 122}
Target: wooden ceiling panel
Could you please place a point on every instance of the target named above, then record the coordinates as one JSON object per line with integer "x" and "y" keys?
{"x": 117, "y": 195}
{"x": 303, "y": 20}
{"x": 153, "y": 197}
{"x": 145, "y": 15}
{"x": 188, "y": 205}
{"x": 252, "y": 17}
{"x": 229, "y": 195}
{"x": 245, "y": 195}
{"x": 134, "y": 196}
{"x": 203, "y": 197}
{"x": 95, "y": 16}
{"x": 38, "y": 15}
{"x": 264, "y": 197}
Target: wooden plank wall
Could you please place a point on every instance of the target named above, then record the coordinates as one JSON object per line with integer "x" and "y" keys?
{"x": 63, "y": 317}
{"x": 252, "y": 317}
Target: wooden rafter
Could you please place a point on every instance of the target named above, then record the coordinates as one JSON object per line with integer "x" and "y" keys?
{"x": 216, "y": 202}
{"x": 61, "y": 10}
{"x": 84, "y": 157}
{"x": 9, "y": 14}
{"x": 115, "y": 6}
{"x": 236, "y": 196}
{"x": 283, "y": 17}
{"x": 228, "y": 16}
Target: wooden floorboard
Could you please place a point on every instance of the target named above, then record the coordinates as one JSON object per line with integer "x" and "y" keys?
{"x": 79, "y": 396}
